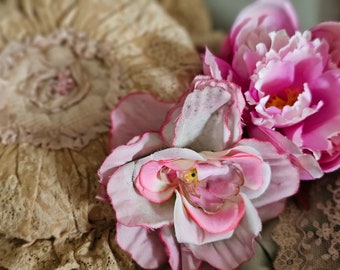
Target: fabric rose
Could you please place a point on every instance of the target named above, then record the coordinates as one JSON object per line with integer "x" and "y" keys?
{"x": 289, "y": 79}
{"x": 193, "y": 193}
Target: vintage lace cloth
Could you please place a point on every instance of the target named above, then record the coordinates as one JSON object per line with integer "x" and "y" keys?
{"x": 310, "y": 238}
{"x": 63, "y": 66}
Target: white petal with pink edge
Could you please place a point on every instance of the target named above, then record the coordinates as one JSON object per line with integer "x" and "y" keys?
{"x": 136, "y": 114}
{"x": 144, "y": 246}
{"x": 131, "y": 208}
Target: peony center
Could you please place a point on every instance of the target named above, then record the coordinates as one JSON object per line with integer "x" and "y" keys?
{"x": 287, "y": 97}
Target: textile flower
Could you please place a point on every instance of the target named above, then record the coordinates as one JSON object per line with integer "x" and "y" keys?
{"x": 289, "y": 78}
{"x": 187, "y": 189}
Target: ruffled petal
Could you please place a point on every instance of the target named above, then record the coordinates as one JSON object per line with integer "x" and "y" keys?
{"x": 187, "y": 230}
{"x": 216, "y": 67}
{"x": 269, "y": 15}
{"x": 230, "y": 253}
{"x": 144, "y": 246}
{"x": 329, "y": 31}
{"x": 136, "y": 114}
{"x": 173, "y": 249}
{"x": 198, "y": 123}
{"x": 255, "y": 172}
{"x": 138, "y": 147}
{"x": 225, "y": 220}
{"x": 284, "y": 176}
{"x": 307, "y": 165}
{"x": 320, "y": 127}
{"x": 150, "y": 185}
{"x": 131, "y": 208}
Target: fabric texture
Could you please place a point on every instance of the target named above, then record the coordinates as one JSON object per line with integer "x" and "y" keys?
{"x": 63, "y": 66}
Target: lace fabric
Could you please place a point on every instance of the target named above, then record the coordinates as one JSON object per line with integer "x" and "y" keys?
{"x": 310, "y": 238}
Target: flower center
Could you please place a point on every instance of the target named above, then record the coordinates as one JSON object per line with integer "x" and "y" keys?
{"x": 63, "y": 83}
{"x": 287, "y": 97}
{"x": 191, "y": 176}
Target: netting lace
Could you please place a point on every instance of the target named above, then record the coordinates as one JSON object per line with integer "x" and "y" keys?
{"x": 310, "y": 238}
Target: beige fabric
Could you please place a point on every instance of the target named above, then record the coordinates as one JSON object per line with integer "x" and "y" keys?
{"x": 54, "y": 113}
{"x": 195, "y": 17}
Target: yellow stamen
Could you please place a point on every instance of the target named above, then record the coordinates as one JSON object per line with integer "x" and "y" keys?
{"x": 191, "y": 176}
{"x": 289, "y": 97}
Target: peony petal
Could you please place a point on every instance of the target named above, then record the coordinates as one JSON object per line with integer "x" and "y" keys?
{"x": 270, "y": 15}
{"x": 216, "y": 67}
{"x": 284, "y": 176}
{"x": 144, "y": 246}
{"x": 329, "y": 32}
{"x": 187, "y": 231}
{"x": 131, "y": 208}
{"x": 136, "y": 114}
{"x": 230, "y": 253}
{"x": 320, "y": 127}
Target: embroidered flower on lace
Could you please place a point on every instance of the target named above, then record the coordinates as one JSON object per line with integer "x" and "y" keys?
{"x": 48, "y": 83}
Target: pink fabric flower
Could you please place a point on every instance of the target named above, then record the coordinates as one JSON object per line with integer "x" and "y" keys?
{"x": 289, "y": 78}
{"x": 195, "y": 193}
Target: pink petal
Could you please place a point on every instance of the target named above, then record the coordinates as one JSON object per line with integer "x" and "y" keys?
{"x": 189, "y": 261}
{"x": 223, "y": 221}
{"x": 330, "y": 162}
{"x": 255, "y": 172}
{"x": 131, "y": 208}
{"x": 136, "y": 114}
{"x": 329, "y": 32}
{"x": 284, "y": 176}
{"x": 270, "y": 211}
{"x": 216, "y": 67}
{"x": 230, "y": 253}
{"x": 173, "y": 249}
{"x": 150, "y": 186}
{"x": 144, "y": 246}
{"x": 320, "y": 127}
{"x": 198, "y": 123}
{"x": 188, "y": 231}
{"x": 270, "y": 15}
{"x": 136, "y": 148}
{"x": 180, "y": 257}
{"x": 306, "y": 164}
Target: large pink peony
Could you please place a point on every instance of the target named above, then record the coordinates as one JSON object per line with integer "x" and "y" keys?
{"x": 290, "y": 79}
{"x": 193, "y": 193}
